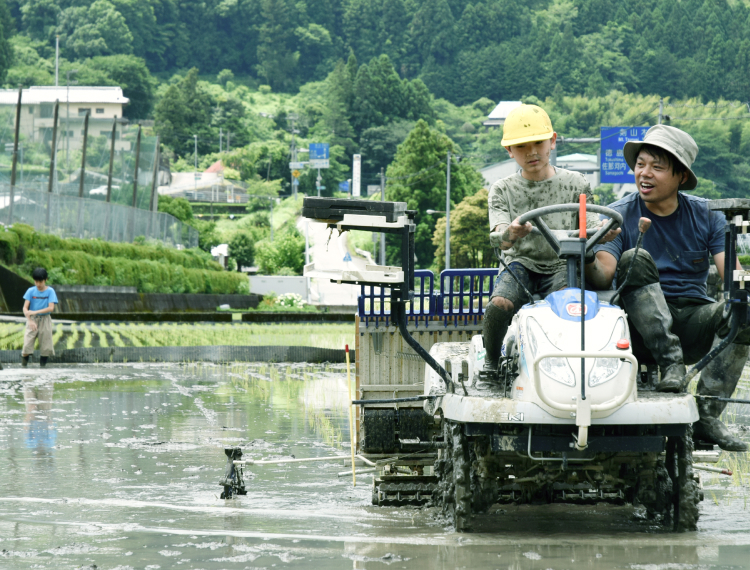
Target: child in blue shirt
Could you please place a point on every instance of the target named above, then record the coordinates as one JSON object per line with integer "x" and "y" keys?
{"x": 39, "y": 304}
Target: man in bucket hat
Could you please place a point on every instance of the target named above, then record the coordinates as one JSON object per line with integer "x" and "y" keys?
{"x": 672, "y": 320}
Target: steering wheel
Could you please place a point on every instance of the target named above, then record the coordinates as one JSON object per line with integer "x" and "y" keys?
{"x": 615, "y": 220}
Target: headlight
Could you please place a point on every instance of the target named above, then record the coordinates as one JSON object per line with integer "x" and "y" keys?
{"x": 556, "y": 368}
{"x": 607, "y": 368}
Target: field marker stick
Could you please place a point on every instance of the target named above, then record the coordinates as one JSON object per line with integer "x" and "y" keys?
{"x": 351, "y": 416}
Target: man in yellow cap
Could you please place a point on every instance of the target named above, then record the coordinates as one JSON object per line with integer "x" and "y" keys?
{"x": 529, "y": 139}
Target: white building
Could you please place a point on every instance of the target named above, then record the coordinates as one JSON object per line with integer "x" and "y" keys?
{"x": 37, "y": 112}
{"x": 584, "y": 163}
{"x": 500, "y": 112}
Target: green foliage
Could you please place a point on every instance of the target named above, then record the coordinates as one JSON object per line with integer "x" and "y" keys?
{"x": 177, "y": 207}
{"x": 242, "y": 249}
{"x": 469, "y": 228}
{"x": 418, "y": 177}
{"x": 284, "y": 256}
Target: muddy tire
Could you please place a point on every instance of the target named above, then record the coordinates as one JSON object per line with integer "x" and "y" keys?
{"x": 453, "y": 470}
{"x": 483, "y": 485}
{"x": 654, "y": 488}
{"x": 461, "y": 478}
{"x": 685, "y": 490}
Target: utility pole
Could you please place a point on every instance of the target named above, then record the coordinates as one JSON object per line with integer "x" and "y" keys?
{"x": 661, "y": 110}
{"x": 382, "y": 235}
{"x": 221, "y": 135}
{"x": 229, "y": 141}
{"x": 291, "y": 117}
{"x": 448, "y": 215}
{"x": 15, "y": 158}
{"x": 195, "y": 166}
{"x": 57, "y": 60}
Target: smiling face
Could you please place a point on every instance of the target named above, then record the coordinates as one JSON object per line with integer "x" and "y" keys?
{"x": 533, "y": 158}
{"x": 657, "y": 180}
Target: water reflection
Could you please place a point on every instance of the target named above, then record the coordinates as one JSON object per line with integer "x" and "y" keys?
{"x": 138, "y": 452}
{"x": 41, "y": 433}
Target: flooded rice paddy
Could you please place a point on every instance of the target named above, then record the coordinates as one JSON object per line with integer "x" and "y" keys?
{"x": 117, "y": 467}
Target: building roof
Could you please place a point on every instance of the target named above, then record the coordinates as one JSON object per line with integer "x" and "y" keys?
{"x": 76, "y": 95}
{"x": 216, "y": 167}
{"x": 500, "y": 112}
{"x": 577, "y": 157}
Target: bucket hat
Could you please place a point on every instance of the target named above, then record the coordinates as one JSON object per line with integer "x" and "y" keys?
{"x": 676, "y": 142}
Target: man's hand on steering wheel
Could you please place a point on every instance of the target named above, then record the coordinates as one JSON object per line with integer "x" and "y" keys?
{"x": 610, "y": 235}
{"x": 514, "y": 232}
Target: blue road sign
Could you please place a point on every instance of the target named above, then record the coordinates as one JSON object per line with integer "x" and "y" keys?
{"x": 344, "y": 186}
{"x": 347, "y": 257}
{"x": 319, "y": 151}
{"x": 614, "y": 169}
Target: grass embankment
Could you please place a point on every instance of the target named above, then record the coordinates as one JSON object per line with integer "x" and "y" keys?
{"x": 86, "y": 335}
{"x": 150, "y": 268}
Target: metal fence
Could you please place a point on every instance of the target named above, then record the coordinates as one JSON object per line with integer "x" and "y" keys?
{"x": 460, "y": 300}
{"x": 80, "y": 176}
{"x": 70, "y": 216}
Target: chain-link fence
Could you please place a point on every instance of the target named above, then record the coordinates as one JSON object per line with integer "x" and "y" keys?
{"x": 101, "y": 186}
{"x": 70, "y": 216}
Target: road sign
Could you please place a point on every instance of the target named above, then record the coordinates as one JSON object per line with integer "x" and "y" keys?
{"x": 614, "y": 169}
{"x": 347, "y": 257}
{"x": 295, "y": 173}
{"x": 319, "y": 157}
{"x": 319, "y": 151}
{"x": 356, "y": 171}
{"x": 296, "y": 165}
{"x": 344, "y": 186}
{"x": 8, "y": 147}
{"x": 295, "y": 181}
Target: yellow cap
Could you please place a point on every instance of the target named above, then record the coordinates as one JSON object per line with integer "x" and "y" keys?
{"x": 526, "y": 123}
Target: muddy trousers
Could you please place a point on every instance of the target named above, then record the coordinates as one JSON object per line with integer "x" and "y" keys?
{"x": 43, "y": 332}
{"x": 507, "y": 298}
{"x": 699, "y": 324}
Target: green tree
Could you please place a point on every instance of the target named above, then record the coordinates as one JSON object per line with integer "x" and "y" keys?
{"x": 285, "y": 255}
{"x": 470, "y": 242}
{"x": 39, "y": 18}
{"x": 126, "y": 71}
{"x": 276, "y": 57}
{"x": 98, "y": 29}
{"x": 177, "y": 207}
{"x": 186, "y": 110}
{"x": 242, "y": 249}
{"x": 417, "y": 176}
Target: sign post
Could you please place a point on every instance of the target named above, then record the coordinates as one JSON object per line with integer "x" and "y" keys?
{"x": 356, "y": 169}
{"x": 613, "y": 168}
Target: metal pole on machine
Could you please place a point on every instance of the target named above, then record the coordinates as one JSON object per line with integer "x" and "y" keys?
{"x": 382, "y": 235}
{"x": 15, "y": 158}
{"x": 448, "y": 214}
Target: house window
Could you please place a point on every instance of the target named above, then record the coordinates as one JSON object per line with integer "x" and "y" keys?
{"x": 47, "y": 109}
{"x": 99, "y": 111}
{"x": 31, "y": 110}
{"x": 82, "y": 112}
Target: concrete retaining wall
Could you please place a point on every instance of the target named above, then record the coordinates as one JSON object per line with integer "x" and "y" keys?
{"x": 82, "y": 302}
{"x": 188, "y": 354}
{"x": 264, "y": 284}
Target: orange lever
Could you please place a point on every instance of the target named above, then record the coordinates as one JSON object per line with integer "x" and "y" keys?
{"x": 582, "y": 216}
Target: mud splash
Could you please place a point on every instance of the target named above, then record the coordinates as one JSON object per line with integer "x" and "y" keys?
{"x": 117, "y": 466}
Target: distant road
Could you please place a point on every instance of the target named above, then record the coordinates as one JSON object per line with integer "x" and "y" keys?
{"x": 330, "y": 255}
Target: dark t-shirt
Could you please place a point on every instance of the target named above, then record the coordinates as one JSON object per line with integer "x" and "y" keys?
{"x": 680, "y": 243}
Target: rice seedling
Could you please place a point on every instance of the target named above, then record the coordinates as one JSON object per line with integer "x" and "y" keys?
{"x": 116, "y": 338}
{"x": 11, "y": 337}
{"x": 86, "y": 336}
{"x": 58, "y": 334}
{"x": 72, "y": 340}
{"x": 101, "y": 334}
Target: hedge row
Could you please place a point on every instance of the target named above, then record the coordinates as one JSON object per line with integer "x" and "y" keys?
{"x": 148, "y": 276}
{"x": 23, "y": 235}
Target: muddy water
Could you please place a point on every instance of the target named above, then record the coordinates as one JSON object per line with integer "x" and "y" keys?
{"x": 117, "y": 467}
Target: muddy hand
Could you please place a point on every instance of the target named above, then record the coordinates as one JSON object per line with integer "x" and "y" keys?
{"x": 610, "y": 235}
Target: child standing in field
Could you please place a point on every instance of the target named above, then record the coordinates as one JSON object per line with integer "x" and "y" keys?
{"x": 39, "y": 304}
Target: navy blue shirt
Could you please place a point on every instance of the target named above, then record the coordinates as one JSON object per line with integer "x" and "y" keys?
{"x": 680, "y": 243}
